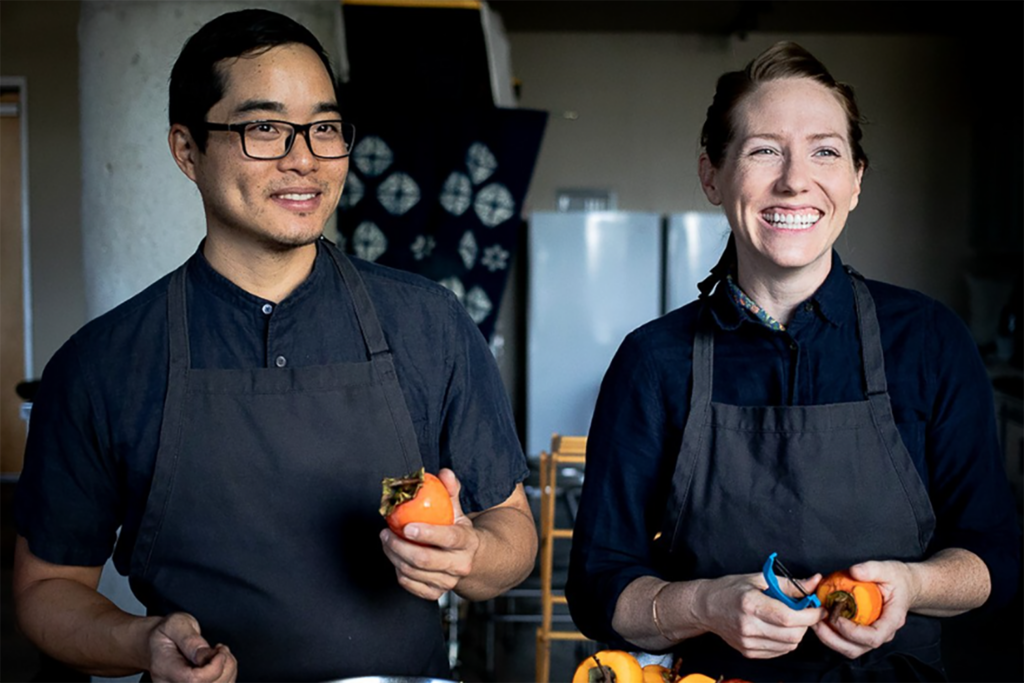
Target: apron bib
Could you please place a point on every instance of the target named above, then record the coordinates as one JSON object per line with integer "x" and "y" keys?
{"x": 262, "y": 519}
{"x": 825, "y": 486}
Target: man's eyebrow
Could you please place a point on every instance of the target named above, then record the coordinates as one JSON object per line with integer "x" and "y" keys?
{"x": 327, "y": 108}
{"x": 279, "y": 108}
{"x": 259, "y": 105}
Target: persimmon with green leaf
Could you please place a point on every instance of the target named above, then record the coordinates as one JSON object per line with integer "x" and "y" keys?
{"x": 417, "y": 497}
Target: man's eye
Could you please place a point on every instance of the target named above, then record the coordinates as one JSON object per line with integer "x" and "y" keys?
{"x": 262, "y": 129}
{"x": 762, "y": 151}
{"x": 327, "y": 129}
{"x": 827, "y": 153}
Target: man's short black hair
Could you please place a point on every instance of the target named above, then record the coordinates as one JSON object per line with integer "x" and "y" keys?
{"x": 196, "y": 82}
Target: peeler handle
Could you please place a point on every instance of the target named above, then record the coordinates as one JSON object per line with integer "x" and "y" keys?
{"x": 774, "y": 591}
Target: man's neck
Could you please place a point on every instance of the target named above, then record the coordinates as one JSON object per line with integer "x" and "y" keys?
{"x": 266, "y": 273}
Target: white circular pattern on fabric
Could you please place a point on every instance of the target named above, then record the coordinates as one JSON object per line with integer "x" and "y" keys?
{"x": 454, "y": 285}
{"x": 398, "y": 193}
{"x": 495, "y": 258}
{"x": 468, "y": 249}
{"x": 422, "y": 247}
{"x": 368, "y": 241}
{"x": 494, "y": 205}
{"x": 372, "y": 156}
{"x": 353, "y": 192}
{"x": 457, "y": 194}
{"x": 481, "y": 162}
{"x": 478, "y": 304}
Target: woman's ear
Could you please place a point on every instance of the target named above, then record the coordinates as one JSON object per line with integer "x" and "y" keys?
{"x": 709, "y": 179}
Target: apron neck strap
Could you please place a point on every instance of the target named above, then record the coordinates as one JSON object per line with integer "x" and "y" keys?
{"x": 177, "y": 320}
{"x": 369, "y": 325}
{"x": 870, "y": 335}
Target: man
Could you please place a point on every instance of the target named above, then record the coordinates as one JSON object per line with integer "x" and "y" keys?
{"x": 236, "y": 418}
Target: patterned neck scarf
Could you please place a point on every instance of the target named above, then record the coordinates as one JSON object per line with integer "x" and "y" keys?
{"x": 748, "y": 304}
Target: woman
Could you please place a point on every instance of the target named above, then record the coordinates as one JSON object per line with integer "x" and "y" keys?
{"x": 839, "y": 422}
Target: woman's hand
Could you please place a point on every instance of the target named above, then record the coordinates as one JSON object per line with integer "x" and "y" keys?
{"x": 899, "y": 588}
{"x": 754, "y": 624}
{"x": 733, "y": 607}
{"x": 948, "y": 583}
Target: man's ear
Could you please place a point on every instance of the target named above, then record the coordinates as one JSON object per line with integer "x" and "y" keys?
{"x": 183, "y": 149}
{"x": 709, "y": 179}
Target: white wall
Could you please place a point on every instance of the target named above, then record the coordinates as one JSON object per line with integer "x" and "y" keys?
{"x": 640, "y": 100}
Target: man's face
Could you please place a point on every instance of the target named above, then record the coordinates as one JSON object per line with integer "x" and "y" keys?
{"x": 281, "y": 203}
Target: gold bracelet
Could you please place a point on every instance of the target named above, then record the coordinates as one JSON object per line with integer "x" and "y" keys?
{"x": 654, "y": 614}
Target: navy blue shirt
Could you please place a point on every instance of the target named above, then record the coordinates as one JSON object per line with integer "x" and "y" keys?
{"x": 941, "y": 398}
{"x": 96, "y": 418}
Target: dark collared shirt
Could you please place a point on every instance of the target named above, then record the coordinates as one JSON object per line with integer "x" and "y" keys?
{"x": 96, "y": 418}
{"x": 941, "y": 399}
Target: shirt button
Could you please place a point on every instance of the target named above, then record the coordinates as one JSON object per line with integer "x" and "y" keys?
{"x": 268, "y": 309}
{"x": 792, "y": 346}
{"x": 280, "y": 361}
{"x": 808, "y": 306}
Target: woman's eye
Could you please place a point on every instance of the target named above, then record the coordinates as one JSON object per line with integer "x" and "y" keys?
{"x": 762, "y": 151}
{"x": 827, "y": 153}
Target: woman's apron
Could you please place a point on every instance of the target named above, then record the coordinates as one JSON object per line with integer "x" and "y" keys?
{"x": 824, "y": 486}
{"x": 262, "y": 519}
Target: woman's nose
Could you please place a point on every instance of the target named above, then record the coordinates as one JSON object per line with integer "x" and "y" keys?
{"x": 794, "y": 176}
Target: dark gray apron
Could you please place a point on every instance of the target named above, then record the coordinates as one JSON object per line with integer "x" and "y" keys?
{"x": 824, "y": 486}
{"x": 262, "y": 519}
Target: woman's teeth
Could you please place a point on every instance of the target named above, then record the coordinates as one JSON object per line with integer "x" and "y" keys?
{"x": 790, "y": 220}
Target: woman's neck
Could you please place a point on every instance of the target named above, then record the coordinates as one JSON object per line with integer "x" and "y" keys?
{"x": 780, "y": 292}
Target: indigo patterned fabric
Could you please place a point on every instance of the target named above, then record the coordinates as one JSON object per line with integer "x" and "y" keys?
{"x": 438, "y": 174}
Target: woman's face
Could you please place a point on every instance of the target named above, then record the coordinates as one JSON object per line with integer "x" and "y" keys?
{"x": 788, "y": 179}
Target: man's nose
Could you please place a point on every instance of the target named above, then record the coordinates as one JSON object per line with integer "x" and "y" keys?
{"x": 300, "y": 157}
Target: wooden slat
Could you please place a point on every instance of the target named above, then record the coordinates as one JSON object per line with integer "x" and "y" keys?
{"x": 565, "y": 450}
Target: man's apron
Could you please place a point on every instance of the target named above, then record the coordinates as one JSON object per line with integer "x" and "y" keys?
{"x": 262, "y": 519}
{"x": 824, "y": 486}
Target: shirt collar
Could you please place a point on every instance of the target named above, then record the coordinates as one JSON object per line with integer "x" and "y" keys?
{"x": 202, "y": 274}
{"x": 833, "y": 301}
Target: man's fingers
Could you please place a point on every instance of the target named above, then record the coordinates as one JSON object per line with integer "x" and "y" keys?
{"x": 454, "y": 486}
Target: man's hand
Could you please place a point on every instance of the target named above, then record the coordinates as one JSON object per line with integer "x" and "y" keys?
{"x": 432, "y": 559}
{"x": 480, "y": 555}
{"x": 180, "y": 654}
{"x": 754, "y": 624}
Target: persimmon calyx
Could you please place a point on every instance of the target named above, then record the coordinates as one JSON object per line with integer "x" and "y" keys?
{"x": 398, "y": 490}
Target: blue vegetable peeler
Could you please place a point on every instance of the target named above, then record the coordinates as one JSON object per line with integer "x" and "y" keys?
{"x": 773, "y": 590}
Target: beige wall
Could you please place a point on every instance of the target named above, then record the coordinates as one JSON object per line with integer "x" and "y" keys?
{"x": 39, "y": 41}
{"x": 626, "y": 112}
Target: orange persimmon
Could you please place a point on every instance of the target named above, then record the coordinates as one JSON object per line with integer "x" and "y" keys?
{"x": 418, "y": 497}
{"x": 858, "y": 601}
{"x": 656, "y": 673}
{"x": 696, "y": 678}
{"x": 609, "y": 666}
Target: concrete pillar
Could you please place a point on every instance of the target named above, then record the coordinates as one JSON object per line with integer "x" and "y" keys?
{"x": 141, "y": 217}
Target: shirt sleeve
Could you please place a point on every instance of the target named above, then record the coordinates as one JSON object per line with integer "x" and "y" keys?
{"x": 973, "y": 502}
{"x": 66, "y": 499}
{"x": 621, "y": 504}
{"x": 477, "y": 436}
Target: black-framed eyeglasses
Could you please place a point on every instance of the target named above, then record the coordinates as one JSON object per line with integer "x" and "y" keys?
{"x": 269, "y": 139}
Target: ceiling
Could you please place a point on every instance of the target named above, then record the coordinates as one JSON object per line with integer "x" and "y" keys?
{"x": 984, "y": 19}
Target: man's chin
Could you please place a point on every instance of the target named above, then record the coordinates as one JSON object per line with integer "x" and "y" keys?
{"x": 286, "y": 243}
